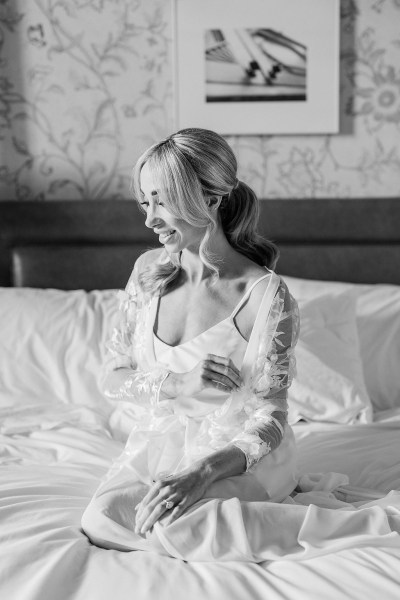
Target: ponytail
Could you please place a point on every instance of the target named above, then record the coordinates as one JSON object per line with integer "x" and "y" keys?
{"x": 239, "y": 213}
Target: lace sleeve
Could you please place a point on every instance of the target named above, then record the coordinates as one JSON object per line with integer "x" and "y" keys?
{"x": 122, "y": 379}
{"x": 266, "y": 403}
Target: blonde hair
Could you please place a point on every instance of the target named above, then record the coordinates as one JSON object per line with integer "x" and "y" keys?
{"x": 188, "y": 167}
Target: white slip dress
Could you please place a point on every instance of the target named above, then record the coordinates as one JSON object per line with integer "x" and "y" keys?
{"x": 248, "y": 517}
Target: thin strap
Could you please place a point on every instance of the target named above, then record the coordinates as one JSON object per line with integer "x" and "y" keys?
{"x": 149, "y": 336}
{"x": 262, "y": 315}
{"x": 246, "y": 295}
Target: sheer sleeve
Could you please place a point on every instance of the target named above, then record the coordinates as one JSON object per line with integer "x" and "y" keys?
{"x": 126, "y": 376}
{"x": 266, "y": 402}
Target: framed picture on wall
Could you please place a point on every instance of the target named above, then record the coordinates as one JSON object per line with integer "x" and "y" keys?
{"x": 257, "y": 66}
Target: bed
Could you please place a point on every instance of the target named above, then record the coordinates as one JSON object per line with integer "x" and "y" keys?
{"x": 60, "y": 264}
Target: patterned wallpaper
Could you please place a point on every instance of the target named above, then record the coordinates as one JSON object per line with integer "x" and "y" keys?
{"x": 86, "y": 86}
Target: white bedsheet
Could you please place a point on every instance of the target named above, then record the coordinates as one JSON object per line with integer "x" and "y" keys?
{"x": 369, "y": 454}
{"x": 50, "y": 463}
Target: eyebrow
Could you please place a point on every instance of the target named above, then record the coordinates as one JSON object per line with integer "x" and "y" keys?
{"x": 153, "y": 192}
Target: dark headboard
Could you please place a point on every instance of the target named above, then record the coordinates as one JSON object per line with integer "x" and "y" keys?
{"x": 93, "y": 244}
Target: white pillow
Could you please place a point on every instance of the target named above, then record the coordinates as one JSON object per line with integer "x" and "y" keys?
{"x": 329, "y": 385}
{"x": 52, "y": 345}
{"x": 378, "y": 325}
{"x": 378, "y": 322}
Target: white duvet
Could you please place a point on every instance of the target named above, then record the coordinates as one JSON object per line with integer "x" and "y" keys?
{"x": 50, "y": 468}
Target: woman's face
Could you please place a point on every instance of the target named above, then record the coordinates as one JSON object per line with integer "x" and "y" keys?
{"x": 175, "y": 234}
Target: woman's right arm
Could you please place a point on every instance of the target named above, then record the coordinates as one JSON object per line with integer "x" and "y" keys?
{"x": 121, "y": 378}
{"x": 133, "y": 385}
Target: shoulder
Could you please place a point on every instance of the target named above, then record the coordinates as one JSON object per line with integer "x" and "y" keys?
{"x": 289, "y": 303}
{"x": 145, "y": 260}
{"x": 149, "y": 258}
{"x": 259, "y": 280}
{"x": 259, "y": 290}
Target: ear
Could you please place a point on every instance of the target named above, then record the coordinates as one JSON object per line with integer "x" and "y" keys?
{"x": 214, "y": 202}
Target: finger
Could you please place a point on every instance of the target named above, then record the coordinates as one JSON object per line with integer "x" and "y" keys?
{"x": 228, "y": 380}
{"x": 221, "y": 387}
{"x": 226, "y": 368}
{"x": 223, "y": 360}
{"x": 154, "y": 490}
{"x": 145, "y": 510}
{"x": 152, "y": 514}
{"x": 151, "y": 495}
{"x": 157, "y": 493}
{"x": 160, "y": 487}
{"x": 175, "y": 513}
{"x": 152, "y": 518}
{"x": 233, "y": 367}
{"x": 214, "y": 380}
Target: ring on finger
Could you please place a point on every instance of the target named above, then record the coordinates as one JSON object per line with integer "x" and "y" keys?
{"x": 168, "y": 504}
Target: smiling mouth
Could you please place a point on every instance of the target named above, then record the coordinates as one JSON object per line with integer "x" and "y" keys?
{"x": 165, "y": 236}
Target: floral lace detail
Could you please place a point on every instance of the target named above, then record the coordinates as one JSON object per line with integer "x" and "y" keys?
{"x": 256, "y": 414}
{"x": 275, "y": 366}
{"x": 253, "y": 448}
{"x": 140, "y": 386}
{"x": 123, "y": 380}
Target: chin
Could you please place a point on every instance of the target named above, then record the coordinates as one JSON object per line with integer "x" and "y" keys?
{"x": 172, "y": 248}
{"x": 175, "y": 246}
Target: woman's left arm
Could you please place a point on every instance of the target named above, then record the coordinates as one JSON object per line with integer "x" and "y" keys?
{"x": 271, "y": 378}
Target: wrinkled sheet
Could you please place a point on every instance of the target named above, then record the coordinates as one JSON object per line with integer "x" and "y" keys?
{"x": 51, "y": 461}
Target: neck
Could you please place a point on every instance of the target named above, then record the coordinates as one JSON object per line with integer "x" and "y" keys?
{"x": 196, "y": 271}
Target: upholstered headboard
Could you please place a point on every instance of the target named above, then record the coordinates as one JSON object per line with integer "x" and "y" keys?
{"x": 94, "y": 244}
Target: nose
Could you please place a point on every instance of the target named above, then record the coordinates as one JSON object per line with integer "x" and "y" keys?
{"x": 151, "y": 217}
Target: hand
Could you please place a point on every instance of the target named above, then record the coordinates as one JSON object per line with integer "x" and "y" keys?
{"x": 183, "y": 490}
{"x": 213, "y": 372}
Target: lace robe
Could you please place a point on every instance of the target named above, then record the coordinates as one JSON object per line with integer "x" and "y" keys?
{"x": 254, "y": 418}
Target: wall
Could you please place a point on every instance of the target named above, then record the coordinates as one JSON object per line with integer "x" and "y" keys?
{"x": 86, "y": 85}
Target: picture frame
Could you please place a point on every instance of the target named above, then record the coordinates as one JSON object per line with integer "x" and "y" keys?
{"x": 257, "y": 66}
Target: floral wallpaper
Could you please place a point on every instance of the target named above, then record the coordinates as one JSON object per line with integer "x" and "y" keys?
{"x": 86, "y": 86}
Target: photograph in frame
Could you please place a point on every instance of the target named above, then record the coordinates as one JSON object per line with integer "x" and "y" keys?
{"x": 257, "y": 66}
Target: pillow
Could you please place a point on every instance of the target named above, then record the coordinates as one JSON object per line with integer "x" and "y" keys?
{"x": 329, "y": 385}
{"x": 378, "y": 325}
{"x": 52, "y": 344}
{"x": 378, "y": 321}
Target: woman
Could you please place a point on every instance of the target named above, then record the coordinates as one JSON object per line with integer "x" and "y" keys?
{"x": 205, "y": 352}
